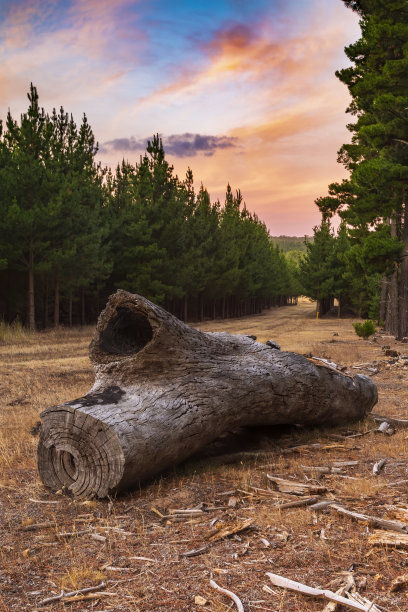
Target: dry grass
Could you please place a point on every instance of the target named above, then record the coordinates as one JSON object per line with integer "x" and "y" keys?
{"x": 38, "y": 370}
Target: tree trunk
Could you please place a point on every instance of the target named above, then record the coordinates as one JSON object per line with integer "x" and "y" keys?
{"x": 30, "y": 293}
{"x": 392, "y": 312}
{"x": 56, "y": 303}
{"x": 383, "y": 299}
{"x": 163, "y": 390}
{"x": 70, "y": 308}
{"x": 82, "y": 306}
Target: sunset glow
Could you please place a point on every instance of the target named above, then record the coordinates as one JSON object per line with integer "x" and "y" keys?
{"x": 242, "y": 92}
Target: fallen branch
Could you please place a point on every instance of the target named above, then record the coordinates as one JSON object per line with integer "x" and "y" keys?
{"x": 64, "y": 595}
{"x": 292, "y": 585}
{"x": 372, "y": 521}
{"x": 308, "y": 501}
{"x": 35, "y": 526}
{"x": 391, "y": 420}
{"x": 321, "y": 505}
{"x": 229, "y": 594}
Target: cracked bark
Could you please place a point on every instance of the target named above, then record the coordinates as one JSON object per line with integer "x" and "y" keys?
{"x": 164, "y": 390}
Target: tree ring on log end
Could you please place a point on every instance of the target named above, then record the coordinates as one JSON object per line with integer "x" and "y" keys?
{"x": 126, "y": 333}
{"x": 78, "y": 453}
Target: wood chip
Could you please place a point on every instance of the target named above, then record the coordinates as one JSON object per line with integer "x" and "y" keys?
{"x": 387, "y": 538}
{"x": 378, "y": 466}
{"x": 228, "y": 530}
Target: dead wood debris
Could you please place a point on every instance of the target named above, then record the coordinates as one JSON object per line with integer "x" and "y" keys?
{"x": 36, "y": 526}
{"x": 372, "y": 521}
{"x": 195, "y": 552}
{"x": 353, "y": 601}
{"x": 403, "y": 423}
{"x": 308, "y": 501}
{"x": 63, "y": 595}
{"x": 381, "y": 537}
{"x": 229, "y": 594}
{"x": 295, "y": 488}
{"x": 379, "y": 466}
{"x": 224, "y": 532}
{"x": 346, "y": 587}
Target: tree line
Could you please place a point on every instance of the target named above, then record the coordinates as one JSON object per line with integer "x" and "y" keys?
{"x": 72, "y": 231}
{"x": 365, "y": 264}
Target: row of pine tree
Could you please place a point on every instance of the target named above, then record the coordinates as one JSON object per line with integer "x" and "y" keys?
{"x": 365, "y": 265}
{"x": 72, "y": 232}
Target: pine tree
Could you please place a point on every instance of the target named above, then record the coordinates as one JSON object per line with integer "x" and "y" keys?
{"x": 316, "y": 269}
{"x": 375, "y": 194}
{"x": 26, "y": 185}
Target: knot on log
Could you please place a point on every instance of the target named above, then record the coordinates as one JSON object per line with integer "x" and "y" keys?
{"x": 163, "y": 390}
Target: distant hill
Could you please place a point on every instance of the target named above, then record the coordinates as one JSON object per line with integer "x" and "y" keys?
{"x": 290, "y": 243}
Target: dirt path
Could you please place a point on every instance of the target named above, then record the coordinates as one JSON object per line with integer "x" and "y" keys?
{"x": 295, "y": 328}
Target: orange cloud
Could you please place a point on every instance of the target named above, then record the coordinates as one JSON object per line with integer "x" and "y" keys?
{"x": 250, "y": 55}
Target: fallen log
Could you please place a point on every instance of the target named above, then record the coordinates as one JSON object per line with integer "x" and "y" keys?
{"x": 163, "y": 390}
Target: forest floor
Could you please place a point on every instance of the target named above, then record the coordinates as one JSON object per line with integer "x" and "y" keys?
{"x": 49, "y": 542}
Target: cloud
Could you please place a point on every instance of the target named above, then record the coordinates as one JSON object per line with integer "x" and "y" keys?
{"x": 179, "y": 145}
{"x": 66, "y": 48}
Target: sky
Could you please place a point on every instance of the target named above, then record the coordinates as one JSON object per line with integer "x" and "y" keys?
{"x": 241, "y": 91}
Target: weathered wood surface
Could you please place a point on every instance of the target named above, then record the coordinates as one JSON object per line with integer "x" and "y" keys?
{"x": 163, "y": 390}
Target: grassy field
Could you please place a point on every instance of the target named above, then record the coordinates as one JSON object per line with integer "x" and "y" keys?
{"x": 126, "y": 543}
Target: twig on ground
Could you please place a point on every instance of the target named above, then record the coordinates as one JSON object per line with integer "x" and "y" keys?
{"x": 64, "y": 595}
{"x": 194, "y": 552}
{"x": 35, "y": 526}
{"x": 42, "y": 501}
{"x": 308, "y": 501}
{"x": 229, "y": 594}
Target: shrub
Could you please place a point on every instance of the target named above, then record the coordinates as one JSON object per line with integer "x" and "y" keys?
{"x": 366, "y": 329}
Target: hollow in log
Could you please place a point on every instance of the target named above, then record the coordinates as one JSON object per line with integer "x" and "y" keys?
{"x": 164, "y": 390}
